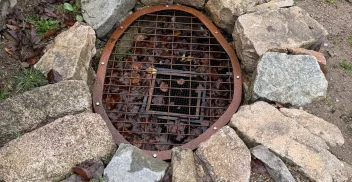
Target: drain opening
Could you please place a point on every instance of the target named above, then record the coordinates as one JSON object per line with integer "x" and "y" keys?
{"x": 167, "y": 81}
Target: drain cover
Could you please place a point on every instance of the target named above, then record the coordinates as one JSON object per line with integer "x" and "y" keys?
{"x": 166, "y": 78}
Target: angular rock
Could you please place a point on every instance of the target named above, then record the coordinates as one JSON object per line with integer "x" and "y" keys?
{"x": 289, "y": 79}
{"x": 49, "y": 153}
{"x": 4, "y": 10}
{"x": 183, "y": 166}
{"x": 224, "y": 13}
{"x": 276, "y": 168}
{"x": 293, "y": 139}
{"x": 71, "y": 53}
{"x": 113, "y": 12}
{"x": 154, "y": 2}
{"x": 29, "y": 110}
{"x": 257, "y": 32}
{"x": 130, "y": 164}
{"x": 225, "y": 156}
{"x": 301, "y": 51}
{"x": 195, "y": 3}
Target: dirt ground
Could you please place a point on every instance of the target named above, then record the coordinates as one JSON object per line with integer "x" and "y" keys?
{"x": 337, "y": 108}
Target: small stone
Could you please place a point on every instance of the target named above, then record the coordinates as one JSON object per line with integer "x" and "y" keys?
{"x": 49, "y": 153}
{"x": 289, "y": 79}
{"x": 130, "y": 164}
{"x": 294, "y": 135}
{"x": 104, "y": 15}
{"x": 71, "y": 53}
{"x": 27, "y": 111}
{"x": 225, "y": 156}
{"x": 183, "y": 166}
{"x": 276, "y": 168}
{"x": 24, "y": 65}
{"x": 258, "y": 32}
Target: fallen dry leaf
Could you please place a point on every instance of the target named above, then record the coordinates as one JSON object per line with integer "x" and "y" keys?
{"x": 181, "y": 81}
{"x": 177, "y": 33}
{"x": 9, "y": 51}
{"x": 51, "y": 32}
{"x": 151, "y": 70}
{"x": 137, "y": 65}
{"x": 139, "y": 37}
{"x": 164, "y": 87}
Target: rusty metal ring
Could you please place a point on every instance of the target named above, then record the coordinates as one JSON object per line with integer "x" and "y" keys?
{"x": 99, "y": 83}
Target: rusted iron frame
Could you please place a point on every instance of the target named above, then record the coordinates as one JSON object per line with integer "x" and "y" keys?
{"x": 99, "y": 84}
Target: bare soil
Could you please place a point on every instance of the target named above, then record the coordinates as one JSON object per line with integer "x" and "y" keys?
{"x": 337, "y": 107}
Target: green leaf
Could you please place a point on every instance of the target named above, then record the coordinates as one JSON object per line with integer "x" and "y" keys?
{"x": 68, "y": 6}
{"x": 79, "y": 18}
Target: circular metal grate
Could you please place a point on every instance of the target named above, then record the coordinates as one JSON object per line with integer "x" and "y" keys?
{"x": 167, "y": 78}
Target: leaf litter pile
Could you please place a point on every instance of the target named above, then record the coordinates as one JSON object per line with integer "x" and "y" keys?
{"x": 28, "y": 35}
{"x": 168, "y": 80}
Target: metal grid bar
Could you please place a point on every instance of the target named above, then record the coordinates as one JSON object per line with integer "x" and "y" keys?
{"x": 168, "y": 85}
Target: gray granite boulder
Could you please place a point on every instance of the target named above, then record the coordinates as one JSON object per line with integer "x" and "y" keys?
{"x": 103, "y": 15}
{"x": 289, "y": 79}
{"x": 195, "y": 3}
{"x": 71, "y": 53}
{"x": 294, "y": 135}
{"x": 4, "y": 10}
{"x": 225, "y": 156}
{"x": 154, "y": 2}
{"x": 130, "y": 164}
{"x": 224, "y": 13}
{"x": 28, "y": 111}
{"x": 183, "y": 166}
{"x": 274, "y": 165}
{"x": 257, "y": 32}
{"x": 49, "y": 153}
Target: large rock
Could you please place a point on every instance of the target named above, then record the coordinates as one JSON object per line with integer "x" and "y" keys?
{"x": 224, "y": 13}
{"x": 225, "y": 156}
{"x": 256, "y": 33}
{"x": 27, "y": 111}
{"x": 103, "y": 15}
{"x": 183, "y": 166}
{"x": 71, "y": 53}
{"x": 49, "y": 153}
{"x": 274, "y": 165}
{"x": 289, "y": 79}
{"x": 195, "y": 3}
{"x": 296, "y": 136}
{"x": 130, "y": 164}
{"x": 154, "y": 2}
{"x": 4, "y": 10}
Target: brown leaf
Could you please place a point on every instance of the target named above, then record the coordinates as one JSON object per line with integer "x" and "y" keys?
{"x": 177, "y": 33}
{"x": 151, "y": 70}
{"x": 54, "y": 76}
{"x": 70, "y": 22}
{"x": 90, "y": 169}
{"x": 139, "y": 37}
{"x": 135, "y": 78}
{"x": 181, "y": 81}
{"x": 12, "y": 27}
{"x": 31, "y": 61}
{"x": 164, "y": 87}
{"x": 9, "y": 51}
{"x": 51, "y": 32}
{"x": 137, "y": 65}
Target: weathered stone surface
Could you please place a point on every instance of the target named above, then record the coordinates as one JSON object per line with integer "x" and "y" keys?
{"x": 289, "y": 79}
{"x": 301, "y": 51}
{"x": 257, "y": 32}
{"x": 103, "y": 21}
{"x": 130, "y": 164}
{"x": 154, "y": 2}
{"x": 49, "y": 153}
{"x": 299, "y": 142}
{"x": 224, "y": 13}
{"x": 4, "y": 10}
{"x": 272, "y": 4}
{"x": 276, "y": 168}
{"x": 27, "y": 111}
{"x": 71, "y": 53}
{"x": 225, "y": 156}
{"x": 183, "y": 166}
{"x": 195, "y": 3}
